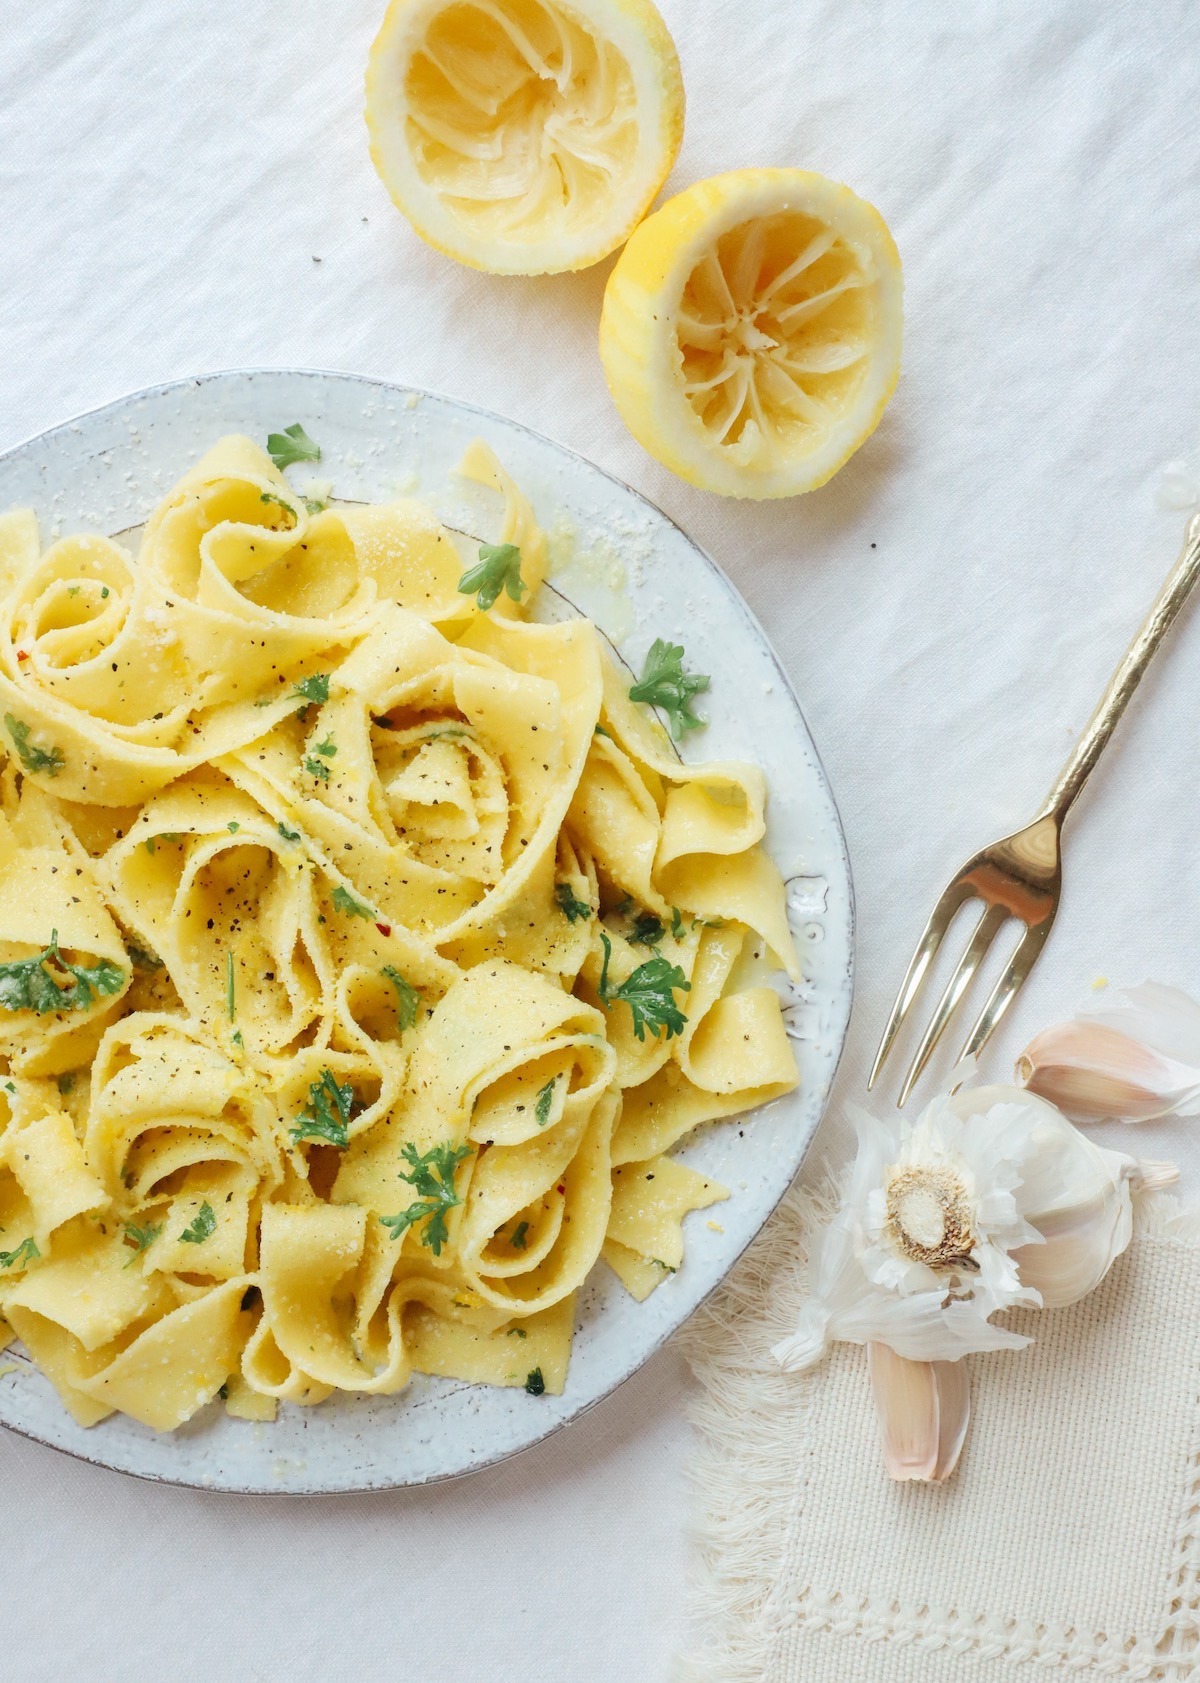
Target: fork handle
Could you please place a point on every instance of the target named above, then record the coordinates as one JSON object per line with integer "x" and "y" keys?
{"x": 1127, "y": 677}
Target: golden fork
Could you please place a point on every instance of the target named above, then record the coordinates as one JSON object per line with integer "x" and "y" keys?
{"x": 1021, "y": 876}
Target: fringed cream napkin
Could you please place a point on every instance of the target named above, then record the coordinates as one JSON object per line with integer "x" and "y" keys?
{"x": 1068, "y": 1540}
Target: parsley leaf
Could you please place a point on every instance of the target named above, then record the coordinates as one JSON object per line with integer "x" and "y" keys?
{"x": 288, "y": 835}
{"x": 544, "y": 1102}
{"x": 407, "y": 997}
{"x": 568, "y": 905}
{"x": 27, "y": 985}
{"x": 517, "y": 1240}
{"x": 204, "y": 1226}
{"x": 499, "y": 569}
{"x": 649, "y": 993}
{"x": 33, "y": 758}
{"x": 140, "y": 1239}
{"x": 677, "y": 923}
{"x": 292, "y": 445}
{"x": 25, "y": 1253}
{"x": 143, "y": 960}
{"x": 318, "y": 1121}
{"x": 647, "y": 930}
{"x": 665, "y": 684}
{"x": 433, "y": 1176}
{"x": 65, "y": 1082}
{"x": 270, "y": 497}
{"x": 345, "y": 902}
{"x": 313, "y": 688}
{"x": 534, "y": 1383}
{"x": 317, "y": 768}
{"x": 517, "y": 1332}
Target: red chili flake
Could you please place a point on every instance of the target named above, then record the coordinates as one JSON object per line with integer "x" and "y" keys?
{"x": 563, "y": 1188}
{"x": 22, "y": 654}
{"x": 384, "y": 928}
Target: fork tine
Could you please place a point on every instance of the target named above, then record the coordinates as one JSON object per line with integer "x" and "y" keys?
{"x": 986, "y": 930}
{"x": 931, "y": 939}
{"x": 1006, "y": 989}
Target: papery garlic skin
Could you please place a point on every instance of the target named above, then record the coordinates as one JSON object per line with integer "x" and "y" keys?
{"x": 924, "y": 1409}
{"x": 1074, "y": 1193}
{"x": 1136, "y": 1058}
{"x": 872, "y": 1281}
{"x": 1032, "y": 1212}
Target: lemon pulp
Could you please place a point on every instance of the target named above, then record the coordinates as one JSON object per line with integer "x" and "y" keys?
{"x": 524, "y": 136}
{"x": 751, "y": 331}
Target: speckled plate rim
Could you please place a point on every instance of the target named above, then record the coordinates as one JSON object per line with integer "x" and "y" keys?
{"x": 843, "y": 895}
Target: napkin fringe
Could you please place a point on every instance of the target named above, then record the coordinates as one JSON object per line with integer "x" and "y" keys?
{"x": 739, "y": 1515}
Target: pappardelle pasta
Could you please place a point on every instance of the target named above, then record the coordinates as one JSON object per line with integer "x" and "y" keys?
{"x": 364, "y": 951}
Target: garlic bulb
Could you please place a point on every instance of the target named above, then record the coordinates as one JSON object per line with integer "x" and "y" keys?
{"x": 924, "y": 1409}
{"x": 1073, "y": 1192}
{"x": 1136, "y": 1058}
{"x": 991, "y": 1200}
{"x": 919, "y": 1254}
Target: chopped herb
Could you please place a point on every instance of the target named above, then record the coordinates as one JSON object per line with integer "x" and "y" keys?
{"x": 314, "y": 688}
{"x": 647, "y": 930}
{"x": 270, "y": 497}
{"x": 27, "y": 985}
{"x": 517, "y": 1332}
{"x": 665, "y": 684}
{"x": 544, "y": 1103}
{"x": 407, "y": 998}
{"x": 433, "y": 1176}
{"x": 222, "y": 1390}
{"x": 344, "y": 901}
{"x": 288, "y": 835}
{"x": 140, "y": 1239}
{"x": 319, "y": 1121}
{"x": 292, "y": 445}
{"x": 65, "y": 1082}
{"x": 599, "y": 730}
{"x": 518, "y": 1236}
{"x": 204, "y": 1226}
{"x": 148, "y": 844}
{"x": 317, "y": 769}
{"x": 9, "y": 1087}
{"x": 534, "y": 1383}
{"x": 571, "y": 908}
{"x": 143, "y": 960}
{"x": 233, "y": 826}
{"x": 72, "y": 590}
{"x": 25, "y": 1253}
{"x": 104, "y": 593}
{"x": 236, "y": 1037}
{"x": 676, "y": 923}
{"x": 499, "y": 569}
{"x": 33, "y": 758}
{"x": 649, "y": 993}
{"x": 315, "y": 505}
{"x": 230, "y": 985}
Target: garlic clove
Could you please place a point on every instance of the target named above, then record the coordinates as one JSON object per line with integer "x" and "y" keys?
{"x": 924, "y": 1409}
{"x": 1091, "y": 1069}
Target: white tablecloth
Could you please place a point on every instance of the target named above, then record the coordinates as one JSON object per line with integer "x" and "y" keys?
{"x": 188, "y": 188}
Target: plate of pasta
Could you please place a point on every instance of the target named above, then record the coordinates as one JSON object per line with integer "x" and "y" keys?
{"x": 425, "y": 934}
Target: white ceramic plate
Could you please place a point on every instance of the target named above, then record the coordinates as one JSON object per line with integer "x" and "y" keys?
{"x": 639, "y": 577}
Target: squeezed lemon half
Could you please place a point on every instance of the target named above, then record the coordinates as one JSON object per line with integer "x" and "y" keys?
{"x": 524, "y": 136}
{"x": 751, "y": 331}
